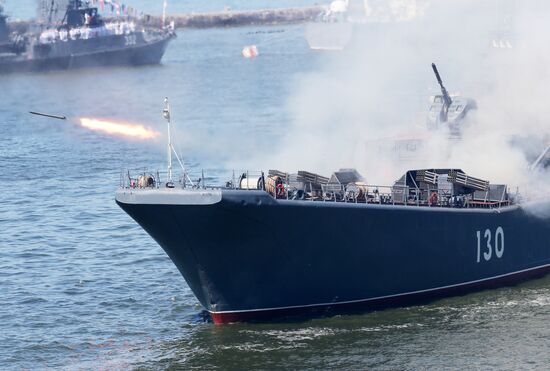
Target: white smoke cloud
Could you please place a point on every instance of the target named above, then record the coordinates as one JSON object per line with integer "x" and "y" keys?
{"x": 379, "y": 88}
{"x": 394, "y": 11}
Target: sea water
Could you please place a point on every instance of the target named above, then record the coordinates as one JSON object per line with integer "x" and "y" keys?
{"x": 82, "y": 286}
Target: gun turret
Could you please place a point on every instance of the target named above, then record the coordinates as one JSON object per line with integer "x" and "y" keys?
{"x": 446, "y": 96}
{"x": 447, "y": 110}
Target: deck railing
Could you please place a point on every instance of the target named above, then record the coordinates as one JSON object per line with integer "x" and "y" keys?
{"x": 396, "y": 194}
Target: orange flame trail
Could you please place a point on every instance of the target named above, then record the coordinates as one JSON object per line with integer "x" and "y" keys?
{"x": 114, "y": 128}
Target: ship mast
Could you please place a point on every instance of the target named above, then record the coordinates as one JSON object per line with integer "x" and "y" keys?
{"x": 166, "y": 115}
{"x": 164, "y": 5}
{"x": 50, "y": 15}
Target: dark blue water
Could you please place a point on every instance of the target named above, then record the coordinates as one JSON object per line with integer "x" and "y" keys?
{"x": 83, "y": 287}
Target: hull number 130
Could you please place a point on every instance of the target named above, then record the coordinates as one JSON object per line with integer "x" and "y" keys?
{"x": 487, "y": 246}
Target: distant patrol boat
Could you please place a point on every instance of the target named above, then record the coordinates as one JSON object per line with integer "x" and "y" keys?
{"x": 273, "y": 245}
{"x": 83, "y": 39}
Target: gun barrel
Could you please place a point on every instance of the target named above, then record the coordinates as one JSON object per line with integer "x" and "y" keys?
{"x": 446, "y": 96}
{"x": 434, "y": 67}
{"x": 48, "y": 115}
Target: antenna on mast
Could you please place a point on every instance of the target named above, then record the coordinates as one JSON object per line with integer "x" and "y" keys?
{"x": 166, "y": 115}
{"x": 164, "y": 5}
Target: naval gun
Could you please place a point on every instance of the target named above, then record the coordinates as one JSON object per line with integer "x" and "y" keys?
{"x": 445, "y": 95}
{"x": 447, "y": 110}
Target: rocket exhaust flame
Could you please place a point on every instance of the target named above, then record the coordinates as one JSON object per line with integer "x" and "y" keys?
{"x": 115, "y": 128}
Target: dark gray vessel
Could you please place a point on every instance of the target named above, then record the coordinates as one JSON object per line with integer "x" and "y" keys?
{"x": 83, "y": 39}
{"x": 277, "y": 244}
{"x": 8, "y": 42}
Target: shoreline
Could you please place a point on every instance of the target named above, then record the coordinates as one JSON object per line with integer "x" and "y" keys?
{"x": 228, "y": 18}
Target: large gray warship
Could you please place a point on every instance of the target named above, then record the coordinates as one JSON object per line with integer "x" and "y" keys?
{"x": 83, "y": 39}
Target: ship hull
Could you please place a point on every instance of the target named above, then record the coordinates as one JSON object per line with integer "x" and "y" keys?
{"x": 143, "y": 54}
{"x": 249, "y": 257}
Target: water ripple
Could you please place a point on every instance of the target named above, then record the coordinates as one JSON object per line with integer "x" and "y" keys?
{"x": 83, "y": 287}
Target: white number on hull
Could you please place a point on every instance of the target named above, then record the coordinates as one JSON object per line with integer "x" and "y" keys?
{"x": 499, "y": 244}
{"x": 478, "y": 245}
{"x": 487, "y": 255}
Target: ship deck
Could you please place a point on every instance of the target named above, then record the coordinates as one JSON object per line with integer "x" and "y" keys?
{"x": 149, "y": 188}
